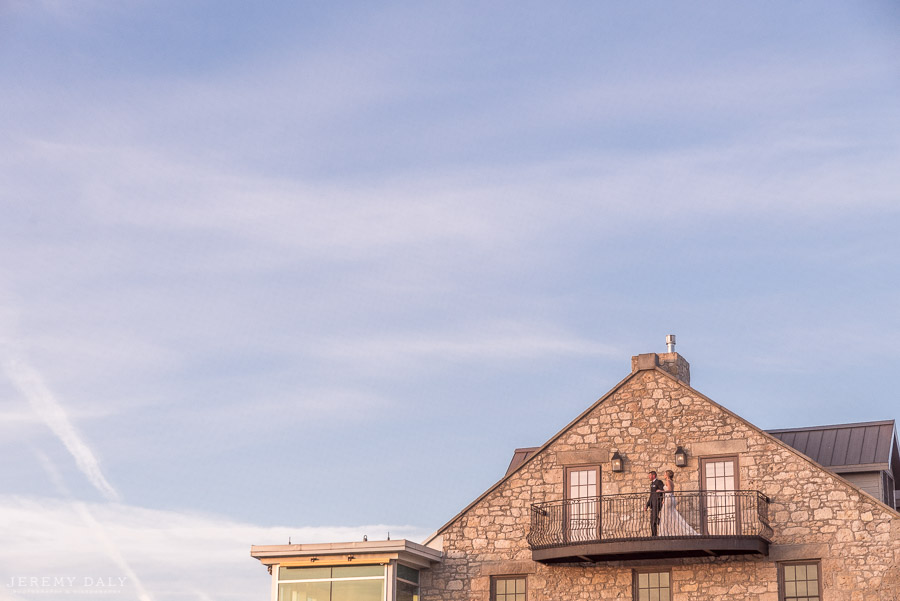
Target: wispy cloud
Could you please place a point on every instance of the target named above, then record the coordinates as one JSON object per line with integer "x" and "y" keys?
{"x": 166, "y": 546}
{"x": 788, "y": 174}
{"x": 97, "y": 530}
{"x": 494, "y": 343}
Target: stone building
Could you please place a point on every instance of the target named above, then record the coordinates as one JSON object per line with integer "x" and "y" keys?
{"x": 750, "y": 518}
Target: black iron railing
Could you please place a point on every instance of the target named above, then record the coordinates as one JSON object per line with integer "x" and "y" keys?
{"x": 732, "y": 513}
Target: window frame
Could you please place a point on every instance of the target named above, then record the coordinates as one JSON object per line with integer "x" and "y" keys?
{"x": 567, "y": 481}
{"x": 635, "y": 573}
{"x": 702, "y": 461}
{"x": 799, "y": 562}
{"x": 567, "y": 489}
{"x": 887, "y": 479}
{"x": 398, "y": 579}
{"x": 331, "y": 579}
{"x": 498, "y": 577}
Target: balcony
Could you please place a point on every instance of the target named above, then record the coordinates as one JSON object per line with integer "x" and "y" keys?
{"x": 617, "y": 527}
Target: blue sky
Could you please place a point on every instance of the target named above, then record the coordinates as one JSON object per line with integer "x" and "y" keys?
{"x": 316, "y": 269}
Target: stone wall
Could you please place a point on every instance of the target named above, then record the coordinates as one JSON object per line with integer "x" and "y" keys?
{"x": 815, "y": 514}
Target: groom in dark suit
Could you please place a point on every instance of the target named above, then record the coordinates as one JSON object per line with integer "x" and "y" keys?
{"x": 654, "y": 503}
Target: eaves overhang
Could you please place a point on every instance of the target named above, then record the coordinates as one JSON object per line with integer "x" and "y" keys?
{"x": 359, "y": 552}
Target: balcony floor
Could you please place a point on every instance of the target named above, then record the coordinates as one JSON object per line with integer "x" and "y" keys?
{"x": 653, "y": 548}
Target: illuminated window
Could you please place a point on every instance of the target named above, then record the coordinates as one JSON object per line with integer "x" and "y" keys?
{"x": 652, "y": 586}
{"x": 508, "y": 588}
{"x": 800, "y": 581}
{"x": 340, "y": 583}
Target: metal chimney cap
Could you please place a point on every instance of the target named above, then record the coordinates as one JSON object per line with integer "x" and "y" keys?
{"x": 670, "y": 343}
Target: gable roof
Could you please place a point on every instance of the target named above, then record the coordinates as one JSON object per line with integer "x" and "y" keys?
{"x": 864, "y": 446}
{"x": 528, "y": 453}
{"x": 511, "y": 470}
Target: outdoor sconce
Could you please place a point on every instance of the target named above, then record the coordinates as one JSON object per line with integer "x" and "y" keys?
{"x": 680, "y": 457}
{"x": 618, "y": 465}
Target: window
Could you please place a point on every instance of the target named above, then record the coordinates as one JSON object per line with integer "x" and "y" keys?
{"x": 508, "y": 588}
{"x": 888, "y": 488}
{"x": 652, "y": 586}
{"x": 582, "y": 509}
{"x": 719, "y": 480}
{"x": 799, "y": 581}
{"x": 407, "y": 583}
{"x": 340, "y": 583}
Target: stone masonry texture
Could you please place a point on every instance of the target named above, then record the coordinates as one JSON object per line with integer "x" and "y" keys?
{"x": 815, "y": 514}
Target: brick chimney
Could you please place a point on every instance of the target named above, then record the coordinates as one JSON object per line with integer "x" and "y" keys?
{"x": 671, "y": 362}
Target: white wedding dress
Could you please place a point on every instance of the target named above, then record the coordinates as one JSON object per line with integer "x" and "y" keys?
{"x": 671, "y": 523}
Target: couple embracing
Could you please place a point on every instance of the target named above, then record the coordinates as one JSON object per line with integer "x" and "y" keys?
{"x": 664, "y": 517}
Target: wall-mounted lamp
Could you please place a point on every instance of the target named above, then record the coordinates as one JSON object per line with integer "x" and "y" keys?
{"x": 680, "y": 457}
{"x": 618, "y": 464}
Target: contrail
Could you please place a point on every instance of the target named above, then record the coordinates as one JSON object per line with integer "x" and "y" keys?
{"x": 95, "y": 527}
{"x": 42, "y": 401}
{"x": 112, "y": 551}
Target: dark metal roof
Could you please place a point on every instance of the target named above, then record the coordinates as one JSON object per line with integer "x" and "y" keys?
{"x": 864, "y": 445}
{"x": 520, "y": 456}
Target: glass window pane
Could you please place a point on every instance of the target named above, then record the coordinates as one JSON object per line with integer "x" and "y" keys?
{"x": 654, "y": 594}
{"x": 357, "y": 571}
{"x": 790, "y": 573}
{"x": 303, "y": 573}
{"x": 357, "y": 590}
{"x": 664, "y": 594}
{"x": 664, "y": 579}
{"x": 729, "y": 468}
{"x": 520, "y": 585}
{"x": 801, "y": 572}
{"x": 407, "y": 592}
{"x": 654, "y": 580}
{"x": 407, "y": 573}
{"x": 813, "y": 587}
{"x": 643, "y": 595}
{"x": 812, "y": 571}
{"x": 790, "y": 588}
{"x": 643, "y": 580}
{"x": 801, "y": 588}
{"x": 304, "y": 591}
{"x": 501, "y": 587}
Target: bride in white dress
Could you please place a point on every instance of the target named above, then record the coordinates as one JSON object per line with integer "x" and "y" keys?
{"x": 671, "y": 523}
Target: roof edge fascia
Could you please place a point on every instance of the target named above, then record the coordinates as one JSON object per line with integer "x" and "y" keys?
{"x": 359, "y": 548}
